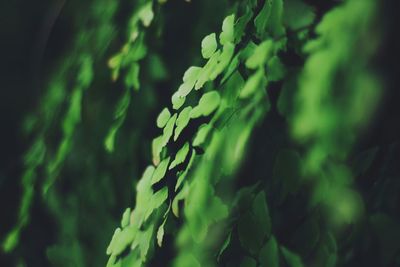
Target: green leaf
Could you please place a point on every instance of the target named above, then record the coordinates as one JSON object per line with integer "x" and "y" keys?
{"x": 230, "y": 91}
{"x": 298, "y": 14}
{"x": 125, "y": 218}
{"x": 11, "y": 240}
{"x": 168, "y": 130}
{"x": 163, "y": 118}
{"x": 134, "y": 52}
{"x": 156, "y": 148}
{"x": 123, "y": 105}
{"x": 254, "y": 224}
{"x": 111, "y": 261}
{"x": 132, "y": 77}
{"x": 292, "y": 259}
{"x": 156, "y": 68}
{"x": 177, "y": 101}
{"x": 115, "y": 61}
{"x": 119, "y": 116}
{"x": 207, "y": 104}
{"x": 241, "y": 24}
{"x": 208, "y": 45}
{"x": 123, "y": 239}
{"x": 110, "y": 247}
{"x": 275, "y": 69}
{"x": 85, "y": 75}
{"x": 257, "y": 81}
{"x": 223, "y": 60}
{"x": 207, "y": 70}
{"x": 187, "y": 259}
{"x": 154, "y": 201}
{"x": 144, "y": 242}
{"x": 180, "y": 196}
{"x": 247, "y": 51}
{"x": 143, "y": 198}
{"x": 109, "y": 141}
{"x": 201, "y": 134}
{"x": 260, "y": 211}
{"x": 182, "y": 121}
{"x": 260, "y": 55}
{"x": 228, "y": 33}
{"x": 269, "y": 254}
{"x": 270, "y": 19}
{"x": 233, "y": 66}
{"x": 180, "y": 156}
{"x": 217, "y": 210}
{"x": 159, "y": 198}
{"x": 182, "y": 175}
{"x": 262, "y": 19}
{"x": 145, "y": 179}
{"x": 146, "y": 14}
{"x": 159, "y": 173}
{"x": 189, "y": 80}
{"x": 131, "y": 260}
{"x": 275, "y": 23}
{"x": 160, "y": 233}
{"x": 73, "y": 115}
{"x": 36, "y": 153}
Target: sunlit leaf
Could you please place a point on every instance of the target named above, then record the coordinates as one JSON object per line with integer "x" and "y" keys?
{"x": 177, "y": 101}
{"x": 207, "y": 104}
{"x": 163, "y": 118}
{"x": 260, "y": 55}
{"x": 180, "y": 196}
{"x": 160, "y": 233}
{"x": 146, "y": 14}
{"x": 207, "y": 71}
{"x": 223, "y": 60}
{"x": 256, "y": 82}
{"x": 156, "y": 148}
{"x": 227, "y": 34}
{"x": 189, "y": 80}
{"x": 182, "y": 175}
{"x": 144, "y": 242}
{"x": 122, "y": 240}
{"x": 169, "y": 129}
{"x": 160, "y": 171}
{"x": 201, "y": 134}
{"x": 182, "y": 121}
{"x": 125, "y": 218}
{"x": 208, "y": 45}
{"x": 180, "y": 156}
{"x": 159, "y": 198}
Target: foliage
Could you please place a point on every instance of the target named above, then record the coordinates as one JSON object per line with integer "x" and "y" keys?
{"x": 254, "y": 154}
